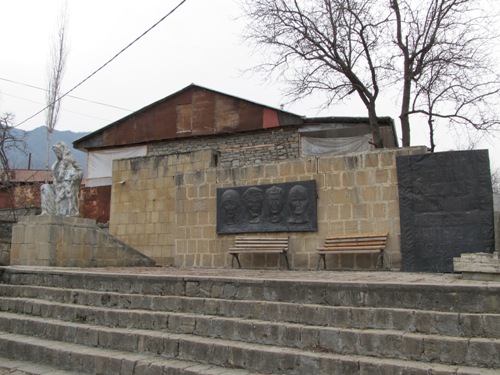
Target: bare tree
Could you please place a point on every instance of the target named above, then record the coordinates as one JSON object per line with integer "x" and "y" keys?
{"x": 335, "y": 46}
{"x": 444, "y": 64}
{"x": 495, "y": 181}
{"x": 434, "y": 51}
{"x": 8, "y": 142}
{"x": 55, "y": 72}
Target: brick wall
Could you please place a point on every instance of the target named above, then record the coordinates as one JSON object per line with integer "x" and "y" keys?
{"x": 165, "y": 206}
{"x": 236, "y": 150}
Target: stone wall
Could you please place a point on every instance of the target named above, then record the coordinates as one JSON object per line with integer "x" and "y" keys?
{"x": 238, "y": 149}
{"x": 165, "y": 206}
{"x": 496, "y": 211}
{"x": 5, "y": 240}
{"x": 143, "y": 200}
{"x": 60, "y": 241}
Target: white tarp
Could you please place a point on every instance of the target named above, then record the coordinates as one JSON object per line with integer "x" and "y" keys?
{"x": 100, "y": 163}
{"x": 312, "y": 146}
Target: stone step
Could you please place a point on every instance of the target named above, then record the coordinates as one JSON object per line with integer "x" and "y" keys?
{"x": 263, "y": 322}
{"x": 240, "y": 359}
{"x": 409, "y": 320}
{"x": 396, "y": 345}
{"x": 10, "y": 366}
{"x": 84, "y": 359}
{"x": 292, "y": 287}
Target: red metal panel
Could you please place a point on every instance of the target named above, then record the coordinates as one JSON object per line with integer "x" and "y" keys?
{"x": 271, "y": 119}
{"x": 251, "y": 116}
{"x": 164, "y": 123}
{"x": 227, "y": 114}
{"x": 95, "y": 203}
{"x": 22, "y": 196}
{"x": 108, "y": 137}
{"x": 203, "y": 108}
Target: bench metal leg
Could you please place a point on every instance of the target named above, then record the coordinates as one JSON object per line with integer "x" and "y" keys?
{"x": 285, "y": 257}
{"x": 321, "y": 257}
{"x": 380, "y": 261}
{"x": 235, "y": 256}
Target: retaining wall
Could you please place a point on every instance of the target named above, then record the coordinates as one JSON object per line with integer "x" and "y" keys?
{"x": 165, "y": 206}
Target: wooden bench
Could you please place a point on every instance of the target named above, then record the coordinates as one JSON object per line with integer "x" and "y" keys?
{"x": 368, "y": 243}
{"x": 257, "y": 245}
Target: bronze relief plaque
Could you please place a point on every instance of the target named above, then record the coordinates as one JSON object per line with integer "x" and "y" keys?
{"x": 284, "y": 207}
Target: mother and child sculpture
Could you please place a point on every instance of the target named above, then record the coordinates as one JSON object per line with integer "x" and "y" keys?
{"x": 61, "y": 197}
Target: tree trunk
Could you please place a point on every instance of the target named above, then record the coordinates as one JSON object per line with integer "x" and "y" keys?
{"x": 47, "y": 165}
{"x": 430, "y": 122}
{"x": 405, "y": 109}
{"x": 373, "y": 119}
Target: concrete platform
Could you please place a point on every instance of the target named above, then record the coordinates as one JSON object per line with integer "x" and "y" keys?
{"x": 375, "y": 277}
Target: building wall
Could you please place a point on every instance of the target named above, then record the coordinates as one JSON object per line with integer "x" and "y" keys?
{"x": 241, "y": 149}
{"x": 21, "y": 196}
{"x": 5, "y": 241}
{"x": 165, "y": 206}
{"x": 95, "y": 203}
{"x": 143, "y": 200}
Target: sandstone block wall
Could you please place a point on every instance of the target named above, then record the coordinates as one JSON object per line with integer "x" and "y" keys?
{"x": 69, "y": 242}
{"x": 496, "y": 209}
{"x": 165, "y": 206}
{"x": 5, "y": 239}
{"x": 144, "y": 206}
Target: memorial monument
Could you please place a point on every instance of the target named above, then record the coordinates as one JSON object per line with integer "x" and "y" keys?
{"x": 61, "y": 197}
{"x": 59, "y": 237}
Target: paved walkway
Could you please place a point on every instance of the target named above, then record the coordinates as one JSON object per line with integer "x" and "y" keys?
{"x": 374, "y": 277}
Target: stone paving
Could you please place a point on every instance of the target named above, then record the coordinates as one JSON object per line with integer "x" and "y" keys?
{"x": 373, "y": 277}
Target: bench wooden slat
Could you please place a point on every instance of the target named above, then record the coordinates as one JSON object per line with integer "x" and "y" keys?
{"x": 366, "y": 243}
{"x": 260, "y": 244}
{"x": 349, "y": 248}
{"x": 256, "y": 251}
{"x": 356, "y": 236}
{"x": 362, "y": 251}
{"x": 275, "y": 244}
{"x": 354, "y": 244}
{"x": 352, "y": 240}
{"x": 257, "y": 248}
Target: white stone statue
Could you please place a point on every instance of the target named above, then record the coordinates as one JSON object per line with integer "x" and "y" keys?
{"x": 61, "y": 198}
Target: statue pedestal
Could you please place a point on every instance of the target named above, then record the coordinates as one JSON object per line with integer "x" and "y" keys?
{"x": 478, "y": 266}
{"x": 60, "y": 241}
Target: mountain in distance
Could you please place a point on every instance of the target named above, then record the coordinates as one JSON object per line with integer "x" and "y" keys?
{"x": 36, "y": 146}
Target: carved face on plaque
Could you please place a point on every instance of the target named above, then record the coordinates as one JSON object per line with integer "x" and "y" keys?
{"x": 254, "y": 200}
{"x": 230, "y": 203}
{"x": 298, "y": 202}
{"x": 274, "y": 201}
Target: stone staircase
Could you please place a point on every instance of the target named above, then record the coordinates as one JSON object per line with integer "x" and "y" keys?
{"x": 170, "y": 321}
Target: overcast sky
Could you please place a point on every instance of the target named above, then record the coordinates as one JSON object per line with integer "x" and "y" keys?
{"x": 200, "y": 43}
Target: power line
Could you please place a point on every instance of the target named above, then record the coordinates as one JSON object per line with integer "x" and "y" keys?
{"x": 69, "y": 96}
{"x": 106, "y": 63}
{"x": 65, "y": 110}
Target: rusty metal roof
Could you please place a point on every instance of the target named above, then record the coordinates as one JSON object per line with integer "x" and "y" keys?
{"x": 192, "y": 111}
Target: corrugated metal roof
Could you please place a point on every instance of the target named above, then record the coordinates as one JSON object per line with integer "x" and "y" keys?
{"x": 192, "y": 111}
